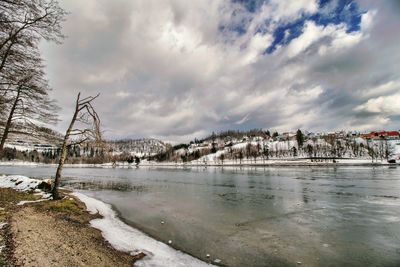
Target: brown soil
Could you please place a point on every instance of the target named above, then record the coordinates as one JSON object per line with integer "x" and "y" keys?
{"x": 57, "y": 233}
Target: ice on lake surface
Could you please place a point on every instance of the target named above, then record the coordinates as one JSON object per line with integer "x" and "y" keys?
{"x": 256, "y": 217}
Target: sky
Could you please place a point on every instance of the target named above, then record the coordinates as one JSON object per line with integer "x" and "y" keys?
{"x": 177, "y": 70}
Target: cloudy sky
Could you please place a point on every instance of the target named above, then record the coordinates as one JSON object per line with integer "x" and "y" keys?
{"x": 178, "y": 69}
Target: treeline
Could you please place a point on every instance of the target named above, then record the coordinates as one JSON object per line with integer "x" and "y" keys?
{"x": 78, "y": 154}
{"x": 75, "y": 155}
{"x": 236, "y": 134}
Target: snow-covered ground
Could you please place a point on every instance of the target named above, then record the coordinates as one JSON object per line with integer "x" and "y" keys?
{"x": 18, "y": 182}
{"x": 24, "y": 184}
{"x": 120, "y": 235}
{"x": 214, "y": 160}
{"x": 271, "y": 162}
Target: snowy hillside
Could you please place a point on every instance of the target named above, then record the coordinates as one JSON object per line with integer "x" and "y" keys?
{"x": 42, "y": 140}
{"x": 139, "y": 147}
{"x": 257, "y": 145}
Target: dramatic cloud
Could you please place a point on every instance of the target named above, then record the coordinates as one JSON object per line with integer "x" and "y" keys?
{"x": 179, "y": 69}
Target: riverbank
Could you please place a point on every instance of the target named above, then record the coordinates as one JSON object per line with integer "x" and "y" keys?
{"x": 226, "y": 163}
{"x": 75, "y": 231}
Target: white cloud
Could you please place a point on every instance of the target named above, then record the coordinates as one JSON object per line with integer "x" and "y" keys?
{"x": 341, "y": 39}
{"x": 165, "y": 69}
{"x": 381, "y": 89}
{"x": 122, "y": 94}
{"x": 310, "y": 94}
{"x": 367, "y": 19}
{"x": 384, "y": 104}
{"x": 311, "y": 34}
{"x": 292, "y": 9}
{"x": 256, "y": 47}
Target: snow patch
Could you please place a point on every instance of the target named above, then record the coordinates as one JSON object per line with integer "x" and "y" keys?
{"x": 24, "y": 184}
{"x": 2, "y": 225}
{"x": 19, "y": 163}
{"x": 125, "y": 238}
{"x": 18, "y": 182}
{"x": 31, "y": 201}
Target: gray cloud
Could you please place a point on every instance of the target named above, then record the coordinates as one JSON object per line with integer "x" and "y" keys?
{"x": 165, "y": 70}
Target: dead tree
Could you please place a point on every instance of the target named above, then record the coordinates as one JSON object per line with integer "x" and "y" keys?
{"x": 84, "y": 127}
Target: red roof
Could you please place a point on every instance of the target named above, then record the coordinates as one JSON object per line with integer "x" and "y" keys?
{"x": 384, "y": 133}
{"x": 393, "y": 133}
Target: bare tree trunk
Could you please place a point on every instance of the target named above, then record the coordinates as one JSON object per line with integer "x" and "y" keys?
{"x": 64, "y": 151}
{"x": 9, "y": 121}
{"x": 83, "y": 111}
{"x": 6, "y": 54}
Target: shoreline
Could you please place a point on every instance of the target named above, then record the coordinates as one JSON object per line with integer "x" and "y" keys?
{"x": 111, "y": 224}
{"x": 261, "y": 164}
{"x": 124, "y": 238}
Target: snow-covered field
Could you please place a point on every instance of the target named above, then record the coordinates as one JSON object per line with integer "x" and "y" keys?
{"x": 120, "y": 235}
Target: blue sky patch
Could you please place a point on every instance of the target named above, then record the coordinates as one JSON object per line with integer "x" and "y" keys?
{"x": 333, "y": 12}
{"x": 251, "y": 5}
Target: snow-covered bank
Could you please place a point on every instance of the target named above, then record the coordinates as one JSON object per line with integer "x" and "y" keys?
{"x": 125, "y": 238}
{"x": 259, "y": 162}
{"x": 18, "y": 182}
{"x": 218, "y": 163}
{"x": 24, "y": 184}
{"x": 35, "y": 164}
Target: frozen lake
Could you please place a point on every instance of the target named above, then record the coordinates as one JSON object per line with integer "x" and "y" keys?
{"x": 319, "y": 216}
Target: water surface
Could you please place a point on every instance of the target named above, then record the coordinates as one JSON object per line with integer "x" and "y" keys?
{"x": 319, "y": 216}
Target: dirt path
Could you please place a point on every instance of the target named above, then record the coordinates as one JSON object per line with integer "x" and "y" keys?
{"x": 57, "y": 233}
{"x": 41, "y": 239}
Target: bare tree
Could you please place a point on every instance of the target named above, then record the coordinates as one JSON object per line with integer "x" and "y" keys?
{"x": 39, "y": 19}
{"x": 27, "y": 103}
{"x": 84, "y": 126}
{"x": 24, "y": 101}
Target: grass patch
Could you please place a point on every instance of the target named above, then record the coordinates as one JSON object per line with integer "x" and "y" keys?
{"x": 9, "y": 196}
{"x": 60, "y": 206}
{"x": 67, "y": 209}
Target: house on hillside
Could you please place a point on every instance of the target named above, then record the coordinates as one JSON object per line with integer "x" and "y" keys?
{"x": 391, "y": 135}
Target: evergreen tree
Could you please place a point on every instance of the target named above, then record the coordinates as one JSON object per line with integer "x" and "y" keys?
{"x": 299, "y": 138}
